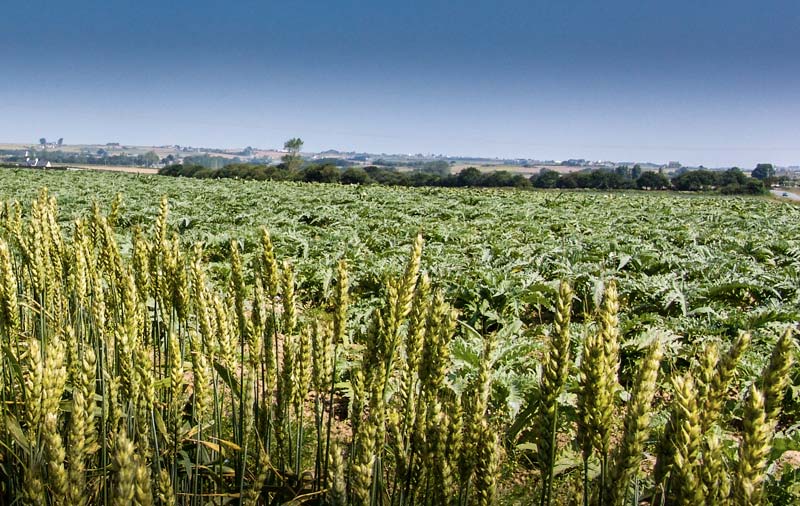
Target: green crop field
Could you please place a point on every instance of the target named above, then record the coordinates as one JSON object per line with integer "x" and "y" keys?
{"x": 394, "y": 345}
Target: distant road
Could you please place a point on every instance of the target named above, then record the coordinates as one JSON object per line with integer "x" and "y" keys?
{"x": 786, "y": 194}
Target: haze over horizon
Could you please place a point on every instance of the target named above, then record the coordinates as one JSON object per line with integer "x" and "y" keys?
{"x": 712, "y": 83}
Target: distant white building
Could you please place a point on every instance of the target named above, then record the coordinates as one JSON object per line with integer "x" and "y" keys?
{"x": 40, "y": 164}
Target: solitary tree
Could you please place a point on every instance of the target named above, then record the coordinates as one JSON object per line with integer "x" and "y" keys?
{"x": 292, "y": 158}
{"x": 42, "y": 141}
{"x": 60, "y": 141}
{"x": 763, "y": 171}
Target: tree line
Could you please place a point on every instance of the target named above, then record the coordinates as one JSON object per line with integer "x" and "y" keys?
{"x": 731, "y": 181}
{"x": 101, "y": 157}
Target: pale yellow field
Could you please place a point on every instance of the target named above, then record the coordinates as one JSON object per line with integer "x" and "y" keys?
{"x": 113, "y": 168}
{"x": 519, "y": 169}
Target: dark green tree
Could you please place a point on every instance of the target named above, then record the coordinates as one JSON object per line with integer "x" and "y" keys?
{"x": 355, "y": 175}
{"x": 469, "y": 177}
{"x": 733, "y": 176}
{"x": 696, "y": 180}
{"x": 321, "y": 174}
{"x": 546, "y": 179}
{"x": 652, "y": 181}
{"x": 763, "y": 171}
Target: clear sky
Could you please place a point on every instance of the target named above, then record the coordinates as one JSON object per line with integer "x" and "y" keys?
{"x": 713, "y": 82}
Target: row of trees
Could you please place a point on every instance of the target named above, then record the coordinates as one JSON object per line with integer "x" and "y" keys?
{"x": 437, "y": 173}
{"x": 732, "y": 181}
{"x": 328, "y": 173}
{"x": 729, "y": 182}
{"x": 102, "y": 157}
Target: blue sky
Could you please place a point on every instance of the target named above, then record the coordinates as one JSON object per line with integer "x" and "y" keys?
{"x": 713, "y": 82}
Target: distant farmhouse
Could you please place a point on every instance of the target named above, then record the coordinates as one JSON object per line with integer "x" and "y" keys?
{"x": 36, "y": 162}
